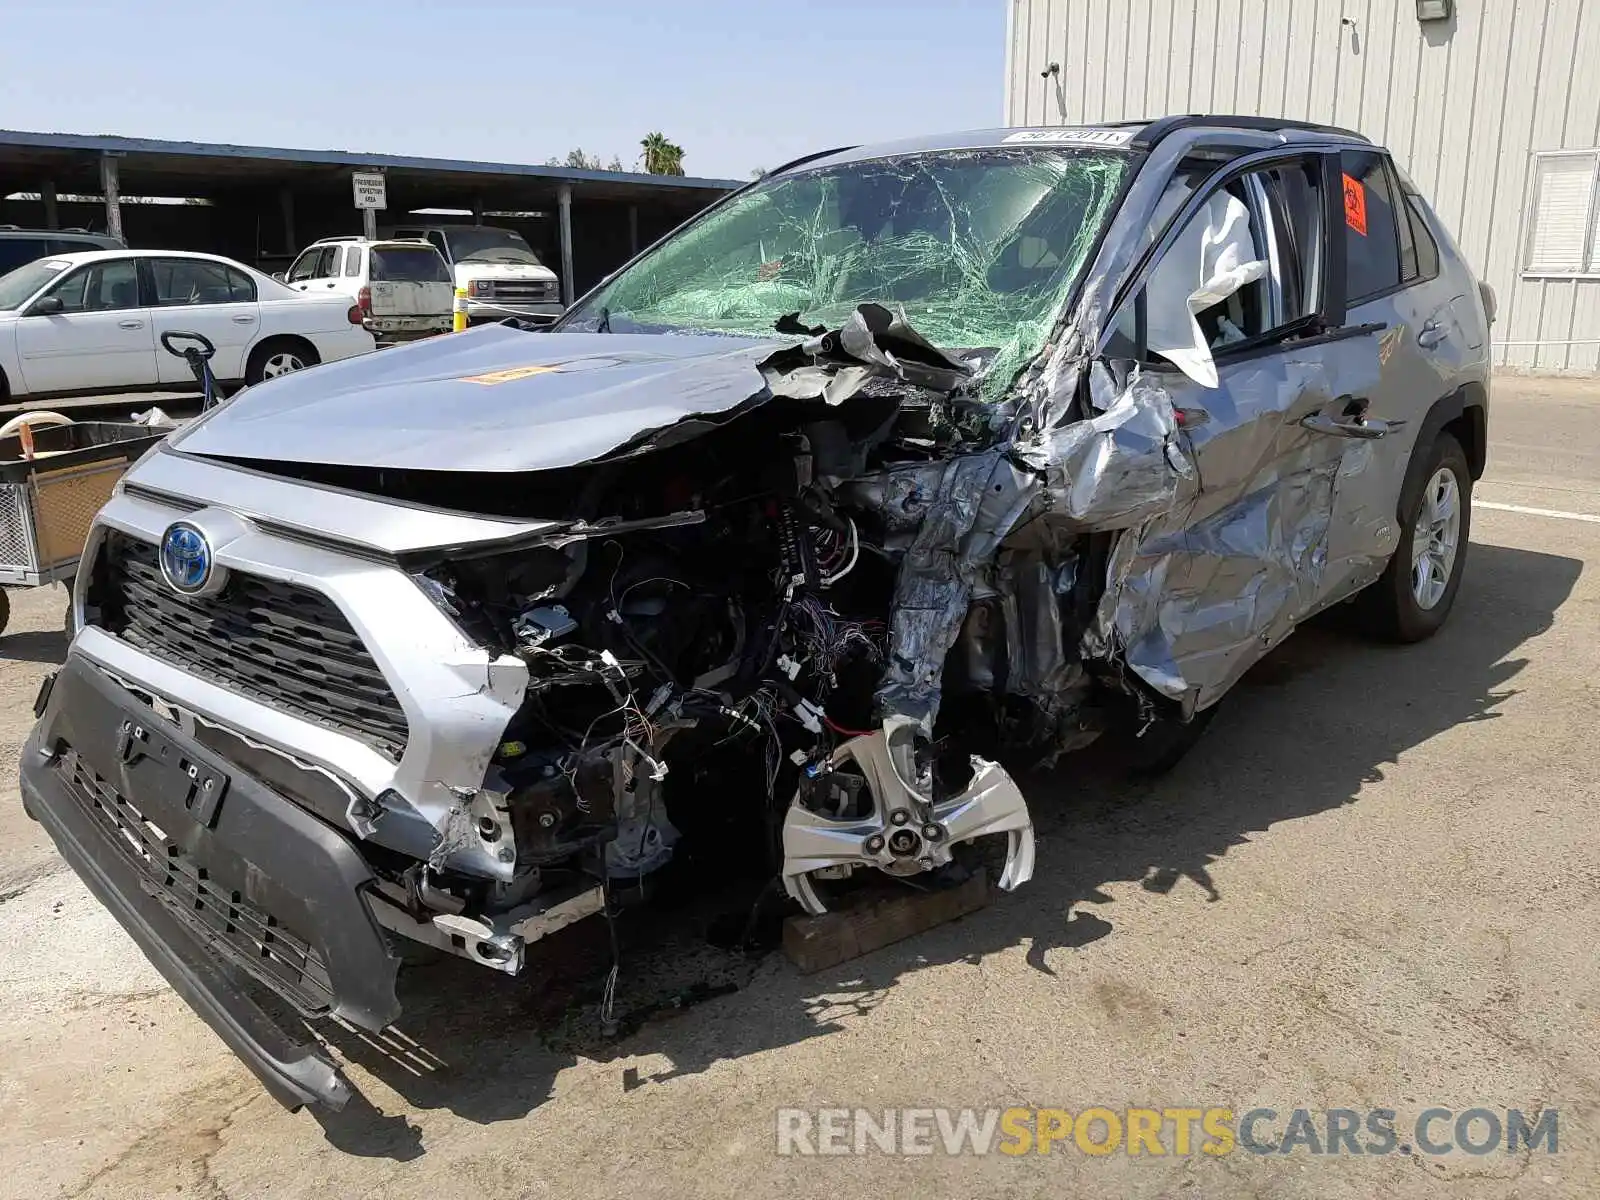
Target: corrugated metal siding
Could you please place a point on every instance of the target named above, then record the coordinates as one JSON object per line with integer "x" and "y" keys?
{"x": 1463, "y": 105}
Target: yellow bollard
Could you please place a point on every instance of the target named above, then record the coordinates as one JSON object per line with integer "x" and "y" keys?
{"x": 459, "y": 321}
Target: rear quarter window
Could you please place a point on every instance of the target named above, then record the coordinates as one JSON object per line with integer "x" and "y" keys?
{"x": 408, "y": 264}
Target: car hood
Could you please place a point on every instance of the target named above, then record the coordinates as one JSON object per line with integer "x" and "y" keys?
{"x": 489, "y": 399}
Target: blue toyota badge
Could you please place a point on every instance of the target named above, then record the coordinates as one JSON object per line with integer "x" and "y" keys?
{"x": 185, "y": 558}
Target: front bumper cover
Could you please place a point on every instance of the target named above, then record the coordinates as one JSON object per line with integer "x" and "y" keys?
{"x": 243, "y": 885}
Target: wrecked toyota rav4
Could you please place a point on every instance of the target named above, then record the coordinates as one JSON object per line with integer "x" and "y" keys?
{"x": 896, "y": 464}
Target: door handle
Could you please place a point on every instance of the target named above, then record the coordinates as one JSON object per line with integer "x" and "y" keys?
{"x": 1351, "y": 421}
{"x": 1431, "y": 334}
{"x": 130, "y": 324}
{"x": 242, "y": 319}
{"x": 1365, "y": 428}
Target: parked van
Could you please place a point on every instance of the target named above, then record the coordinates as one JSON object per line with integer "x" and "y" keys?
{"x": 502, "y": 275}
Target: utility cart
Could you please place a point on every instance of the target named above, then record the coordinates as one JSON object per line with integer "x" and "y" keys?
{"x": 55, "y": 473}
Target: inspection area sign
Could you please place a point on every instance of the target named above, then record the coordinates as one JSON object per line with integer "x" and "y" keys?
{"x": 369, "y": 189}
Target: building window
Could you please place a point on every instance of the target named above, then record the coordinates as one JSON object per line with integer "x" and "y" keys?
{"x": 1561, "y": 218}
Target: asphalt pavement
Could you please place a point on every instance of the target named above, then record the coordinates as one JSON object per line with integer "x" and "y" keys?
{"x": 1374, "y": 885}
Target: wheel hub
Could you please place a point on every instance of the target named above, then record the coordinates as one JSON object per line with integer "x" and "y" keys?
{"x": 282, "y": 364}
{"x": 1435, "y": 538}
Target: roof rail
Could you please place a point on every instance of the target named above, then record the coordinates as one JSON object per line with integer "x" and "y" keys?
{"x": 1161, "y": 127}
{"x": 802, "y": 161}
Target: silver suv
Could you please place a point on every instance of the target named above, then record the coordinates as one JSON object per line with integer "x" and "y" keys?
{"x": 899, "y": 460}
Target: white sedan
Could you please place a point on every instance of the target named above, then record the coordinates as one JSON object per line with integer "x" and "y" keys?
{"x": 92, "y": 322}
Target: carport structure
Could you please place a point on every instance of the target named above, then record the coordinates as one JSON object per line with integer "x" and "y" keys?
{"x": 261, "y": 204}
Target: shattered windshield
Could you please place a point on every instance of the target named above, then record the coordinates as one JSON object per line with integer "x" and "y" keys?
{"x": 978, "y": 249}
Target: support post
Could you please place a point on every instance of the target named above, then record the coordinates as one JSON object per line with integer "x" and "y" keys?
{"x": 477, "y": 210}
{"x": 633, "y": 229}
{"x": 369, "y": 223}
{"x": 565, "y": 200}
{"x": 52, "y": 214}
{"x": 109, "y": 187}
{"x": 286, "y": 207}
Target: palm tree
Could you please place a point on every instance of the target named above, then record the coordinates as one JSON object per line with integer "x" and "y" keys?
{"x": 661, "y": 157}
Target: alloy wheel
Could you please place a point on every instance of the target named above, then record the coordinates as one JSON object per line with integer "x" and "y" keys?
{"x": 282, "y": 363}
{"x": 1436, "y": 538}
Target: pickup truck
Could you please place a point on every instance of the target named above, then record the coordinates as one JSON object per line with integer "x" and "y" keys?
{"x": 402, "y": 286}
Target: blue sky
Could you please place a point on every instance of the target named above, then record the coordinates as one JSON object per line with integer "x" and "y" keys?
{"x": 737, "y": 84}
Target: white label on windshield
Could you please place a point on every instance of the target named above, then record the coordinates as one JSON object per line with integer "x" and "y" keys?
{"x": 1072, "y": 137}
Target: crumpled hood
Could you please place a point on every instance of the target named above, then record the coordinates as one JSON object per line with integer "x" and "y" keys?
{"x": 489, "y": 399}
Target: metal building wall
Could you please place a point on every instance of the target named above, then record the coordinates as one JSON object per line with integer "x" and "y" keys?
{"x": 1463, "y": 104}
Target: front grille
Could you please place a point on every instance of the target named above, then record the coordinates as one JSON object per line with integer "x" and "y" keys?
{"x": 219, "y": 916}
{"x": 279, "y": 643}
{"x": 525, "y": 291}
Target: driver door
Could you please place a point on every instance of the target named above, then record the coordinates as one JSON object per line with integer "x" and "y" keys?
{"x": 1240, "y": 321}
{"x": 100, "y": 337}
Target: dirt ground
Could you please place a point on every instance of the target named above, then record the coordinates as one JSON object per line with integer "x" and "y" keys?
{"x": 1375, "y": 884}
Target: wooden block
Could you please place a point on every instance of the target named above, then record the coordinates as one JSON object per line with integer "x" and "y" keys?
{"x": 879, "y": 919}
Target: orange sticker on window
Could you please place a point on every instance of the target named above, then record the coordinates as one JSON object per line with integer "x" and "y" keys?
{"x": 1355, "y": 205}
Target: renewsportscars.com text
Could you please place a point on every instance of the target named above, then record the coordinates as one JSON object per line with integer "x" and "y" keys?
{"x": 1207, "y": 1130}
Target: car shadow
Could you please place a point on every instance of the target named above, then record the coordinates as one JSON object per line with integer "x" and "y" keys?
{"x": 1320, "y": 718}
{"x": 34, "y": 645}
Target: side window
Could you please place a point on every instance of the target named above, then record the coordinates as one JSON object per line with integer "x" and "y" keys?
{"x": 72, "y": 290}
{"x": 114, "y": 285}
{"x": 352, "y": 261}
{"x": 72, "y": 246}
{"x": 190, "y": 281}
{"x": 1419, "y": 253}
{"x": 328, "y": 268}
{"x": 1372, "y": 261}
{"x": 304, "y": 265}
{"x": 19, "y": 251}
{"x": 1295, "y": 194}
{"x": 240, "y": 285}
{"x": 1243, "y": 267}
{"x": 438, "y": 241}
{"x": 105, "y": 287}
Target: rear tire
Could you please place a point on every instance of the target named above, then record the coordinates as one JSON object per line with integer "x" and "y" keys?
{"x": 1412, "y": 598}
{"x": 5, "y": 609}
{"x": 279, "y": 356}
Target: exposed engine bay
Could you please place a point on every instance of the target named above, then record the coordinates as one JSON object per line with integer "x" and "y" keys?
{"x": 800, "y": 634}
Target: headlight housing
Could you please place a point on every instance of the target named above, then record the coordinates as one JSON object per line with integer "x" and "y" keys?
{"x": 480, "y": 287}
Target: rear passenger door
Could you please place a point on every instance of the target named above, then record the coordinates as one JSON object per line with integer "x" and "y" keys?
{"x": 197, "y": 295}
{"x": 1392, "y": 283}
